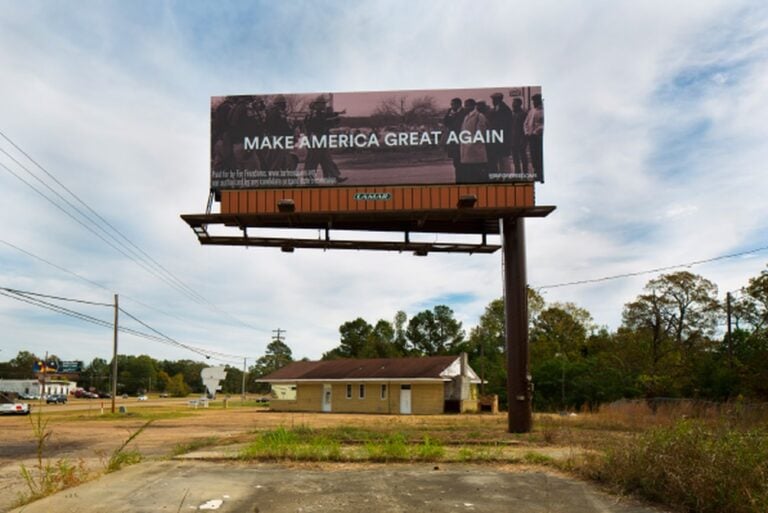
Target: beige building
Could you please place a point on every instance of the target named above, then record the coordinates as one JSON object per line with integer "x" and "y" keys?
{"x": 429, "y": 385}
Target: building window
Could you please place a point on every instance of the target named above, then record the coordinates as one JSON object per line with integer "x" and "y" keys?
{"x": 349, "y": 391}
{"x": 362, "y": 391}
{"x": 383, "y": 392}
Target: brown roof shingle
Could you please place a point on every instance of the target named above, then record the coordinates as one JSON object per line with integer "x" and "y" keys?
{"x": 374, "y": 368}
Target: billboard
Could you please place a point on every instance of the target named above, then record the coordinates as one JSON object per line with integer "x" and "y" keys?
{"x": 385, "y": 138}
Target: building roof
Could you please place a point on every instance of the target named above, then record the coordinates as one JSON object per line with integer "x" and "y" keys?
{"x": 432, "y": 367}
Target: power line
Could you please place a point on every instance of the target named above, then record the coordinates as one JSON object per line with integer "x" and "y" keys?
{"x": 24, "y": 296}
{"x": 91, "y": 282}
{"x": 90, "y": 229}
{"x": 164, "y": 274}
{"x": 59, "y": 298}
{"x": 651, "y": 271}
{"x": 178, "y": 283}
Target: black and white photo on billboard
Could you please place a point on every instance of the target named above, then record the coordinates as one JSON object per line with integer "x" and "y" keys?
{"x": 429, "y": 137}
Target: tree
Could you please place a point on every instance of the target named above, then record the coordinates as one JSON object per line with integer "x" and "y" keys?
{"x": 21, "y": 367}
{"x": 175, "y": 386}
{"x": 190, "y": 371}
{"x": 675, "y": 319}
{"x": 276, "y": 356}
{"x": 755, "y": 302}
{"x": 401, "y": 341}
{"x": 435, "y": 332}
{"x": 98, "y": 373}
{"x": 486, "y": 350}
{"x": 559, "y": 357}
{"x": 361, "y": 340}
{"x": 353, "y": 338}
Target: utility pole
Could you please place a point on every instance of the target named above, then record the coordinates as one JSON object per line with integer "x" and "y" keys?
{"x": 278, "y": 331}
{"x": 729, "y": 335}
{"x": 114, "y": 358}
{"x": 244, "y": 368}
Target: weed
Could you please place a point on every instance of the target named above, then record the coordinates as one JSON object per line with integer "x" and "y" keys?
{"x": 122, "y": 457}
{"x": 301, "y": 445}
{"x": 480, "y": 453}
{"x": 430, "y": 450}
{"x": 392, "y": 448}
{"x": 536, "y": 458}
{"x": 193, "y": 445}
{"x": 47, "y": 477}
{"x": 691, "y": 466}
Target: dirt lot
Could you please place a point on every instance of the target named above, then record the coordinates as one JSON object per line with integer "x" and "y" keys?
{"x": 81, "y": 433}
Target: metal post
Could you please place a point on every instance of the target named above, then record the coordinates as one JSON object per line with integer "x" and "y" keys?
{"x": 243, "y": 399}
{"x": 516, "y": 325}
{"x": 114, "y": 358}
{"x": 562, "y": 382}
{"x": 729, "y": 335}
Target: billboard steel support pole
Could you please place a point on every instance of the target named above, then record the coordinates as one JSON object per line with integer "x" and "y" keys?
{"x": 516, "y": 325}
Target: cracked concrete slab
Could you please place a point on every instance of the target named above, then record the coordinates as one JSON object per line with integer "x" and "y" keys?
{"x": 232, "y": 487}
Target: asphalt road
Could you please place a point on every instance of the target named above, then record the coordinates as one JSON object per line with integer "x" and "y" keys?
{"x": 74, "y": 404}
{"x": 233, "y": 487}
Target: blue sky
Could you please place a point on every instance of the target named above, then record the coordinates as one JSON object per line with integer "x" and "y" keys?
{"x": 655, "y": 155}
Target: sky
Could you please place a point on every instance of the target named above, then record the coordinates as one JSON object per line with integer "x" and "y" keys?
{"x": 654, "y": 149}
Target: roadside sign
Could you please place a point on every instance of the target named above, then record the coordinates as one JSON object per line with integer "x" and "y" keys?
{"x": 73, "y": 367}
{"x": 42, "y": 366}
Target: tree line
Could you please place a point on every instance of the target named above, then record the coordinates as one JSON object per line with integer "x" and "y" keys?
{"x": 672, "y": 342}
{"x": 141, "y": 374}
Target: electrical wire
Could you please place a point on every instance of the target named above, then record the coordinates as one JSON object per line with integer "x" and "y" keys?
{"x": 650, "y": 271}
{"x": 90, "y": 229}
{"x": 91, "y": 282}
{"x": 24, "y": 296}
{"x": 163, "y": 274}
{"x": 59, "y": 298}
{"x": 176, "y": 282}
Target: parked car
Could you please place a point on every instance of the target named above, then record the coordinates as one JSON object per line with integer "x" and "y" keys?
{"x": 104, "y": 395}
{"x": 56, "y": 399}
{"x": 11, "y": 405}
{"x": 142, "y": 397}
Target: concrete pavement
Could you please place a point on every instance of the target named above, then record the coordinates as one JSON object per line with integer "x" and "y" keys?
{"x": 234, "y": 487}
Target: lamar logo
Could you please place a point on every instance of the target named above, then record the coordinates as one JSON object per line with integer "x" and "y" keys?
{"x": 373, "y": 196}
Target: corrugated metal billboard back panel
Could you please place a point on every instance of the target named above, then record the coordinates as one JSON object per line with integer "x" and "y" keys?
{"x": 343, "y": 199}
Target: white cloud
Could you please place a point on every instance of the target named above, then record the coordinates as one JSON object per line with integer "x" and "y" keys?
{"x": 114, "y": 102}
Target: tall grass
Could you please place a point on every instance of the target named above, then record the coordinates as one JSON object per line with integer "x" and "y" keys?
{"x": 46, "y": 476}
{"x": 296, "y": 445}
{"x": 123, "y": 456}
{"x": 304, "y": 444}
{"x": 641, "y": 414}
{"x": 691, "y": 465}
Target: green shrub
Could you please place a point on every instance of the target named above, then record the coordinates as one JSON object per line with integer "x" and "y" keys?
{"x": 692, "y": 467}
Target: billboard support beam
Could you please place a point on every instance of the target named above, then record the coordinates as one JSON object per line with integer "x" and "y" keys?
{"x": 516, "y": 325}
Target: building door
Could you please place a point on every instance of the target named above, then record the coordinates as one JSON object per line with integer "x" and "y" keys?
{"x": 327, "y": 395}
{"x": 405, "y": 399}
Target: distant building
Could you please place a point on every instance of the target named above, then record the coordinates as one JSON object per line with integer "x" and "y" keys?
{"x": 429, "y": 385}
{"x": 34, "y": 387}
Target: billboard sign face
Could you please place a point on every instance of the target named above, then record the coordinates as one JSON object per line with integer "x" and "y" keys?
{"x": 360, "y": 139}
